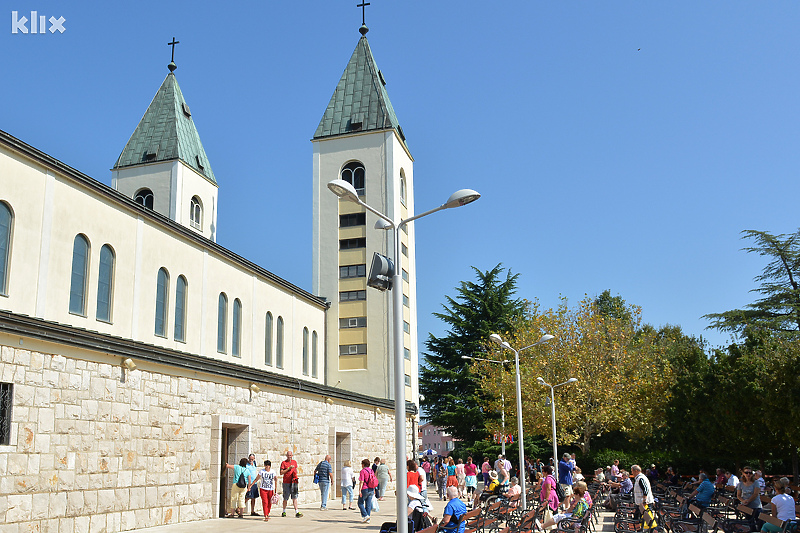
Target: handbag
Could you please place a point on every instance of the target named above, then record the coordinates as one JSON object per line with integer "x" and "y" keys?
{"x": 274, "y": 499}
{"x": 241, "y": 483}
{"x": 316, "y": 478}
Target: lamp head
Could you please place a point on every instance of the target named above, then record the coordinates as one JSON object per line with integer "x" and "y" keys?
{"x": 380, "y": 223}
{"x": 572, "y": 380}
{"x": 129, "y": 364}
{"x": 255, "y": 388}
{"x": 540, "y": 381}
{"x": 494, "y": 337}
{"x": 466, "y": 357}
{"x": 546, "y": 338}
{"x": 343, "y": 190}
{"x": 462, "y": 197}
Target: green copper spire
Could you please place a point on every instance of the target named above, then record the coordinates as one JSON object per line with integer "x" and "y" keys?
{"x": 360, "y": 101}
{"x": 167, "y": 132}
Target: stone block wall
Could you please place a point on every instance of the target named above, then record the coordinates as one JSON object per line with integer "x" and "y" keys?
{"x": 95, "y": 448}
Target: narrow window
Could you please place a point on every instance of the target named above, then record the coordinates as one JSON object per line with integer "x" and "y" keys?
{"x": 268, "y": 340}
{"x": 279, "y": 344}
{"x": 349, "y": 244}
{"x": 403, "y": 187}
{"x": 236, "y": 340}
{"x": 351, "y": 296}
{"x": 352, "y": 349}
{"x": 6, "y": 397}
{"x": 354, "y": 174}
{"x": 314, "y": 364}
{"x": 408, "y": 380}
{"x": 144, "y": 197}
{"x": 105, "y": 283}
{"x": 405, "y": 301}
{"x": 407, "y": 354}
{"x": 404, "y": 249}
{"x": 6, "y": 220}
{"x": 222, "y": 322}
{"x": 405, "y": 275}
{"x": 80, "y": 264}
{"x": 406, "y": 327}
{"x": 180, "y": 309}
{"x": 353, "y": 322}
{"x": 162, "y": 289}
{"x": 196, "y": 213}
{"x": 305, "y": 351}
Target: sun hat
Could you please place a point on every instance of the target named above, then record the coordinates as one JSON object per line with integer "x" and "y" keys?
{"x": 493, "y": 474}
{"x": 413, "y": 492}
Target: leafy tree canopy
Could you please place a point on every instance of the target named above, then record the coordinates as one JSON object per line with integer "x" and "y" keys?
{"x": 778, "y": 308}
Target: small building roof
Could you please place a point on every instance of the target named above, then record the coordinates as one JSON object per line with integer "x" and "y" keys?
{"x": 167, "y": 132}
{"x": 360, "y": 101}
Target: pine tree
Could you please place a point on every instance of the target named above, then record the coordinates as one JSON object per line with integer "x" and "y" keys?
{"x": 452, "y": 397}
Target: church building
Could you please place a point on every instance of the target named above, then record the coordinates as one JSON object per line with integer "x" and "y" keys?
{"x": 138, "y": 357}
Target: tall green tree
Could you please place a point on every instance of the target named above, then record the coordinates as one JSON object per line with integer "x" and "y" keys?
{"x": 453, "y": 399}
{"x": 770, "y": 327}
{"x": 778, "y": 308}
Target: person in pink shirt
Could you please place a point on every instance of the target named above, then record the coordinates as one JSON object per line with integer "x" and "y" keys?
{"x": 548, "y": 494}
{"x": 615, "y": 470}
{"x": 471, "y": 477}
{"x": 485, "y": 468}
{"x": 461, "y": 477}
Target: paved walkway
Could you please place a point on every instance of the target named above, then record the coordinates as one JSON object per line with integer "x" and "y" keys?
{"x": 335, "y": 520}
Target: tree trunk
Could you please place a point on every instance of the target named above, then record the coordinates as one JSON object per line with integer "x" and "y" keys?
{"x": 795, "y": 465}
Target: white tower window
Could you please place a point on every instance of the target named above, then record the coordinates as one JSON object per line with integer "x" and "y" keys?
{"x": 196, "y": 213}
{"x": 144, "y": 197}
{"x": 355, "y": 175}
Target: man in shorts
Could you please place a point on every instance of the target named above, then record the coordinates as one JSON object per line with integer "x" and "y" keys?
{"x": 290, "y": 480}
{"x": 252, "y": 494}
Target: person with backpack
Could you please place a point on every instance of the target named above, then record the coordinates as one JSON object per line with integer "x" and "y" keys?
{"x": 366, "y": 490}
{"x": 548, "y": 495}
{"x": 238, "y": 489}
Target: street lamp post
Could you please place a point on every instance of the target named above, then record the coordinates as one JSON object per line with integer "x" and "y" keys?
{"x": 346, "y": 191}
{"x": 541, "y": 381}
{"x": 502, "y": 400}
{"x": 499, "y": 340}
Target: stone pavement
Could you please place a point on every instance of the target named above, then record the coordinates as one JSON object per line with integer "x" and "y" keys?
{"x": 334, "y": 520}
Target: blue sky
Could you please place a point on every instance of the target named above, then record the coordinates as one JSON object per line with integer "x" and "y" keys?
{"x": 617, "y": 145}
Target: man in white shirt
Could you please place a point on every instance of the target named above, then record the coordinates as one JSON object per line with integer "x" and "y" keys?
{"x": 424, "y": 492}
{"x": 733, "y": 481}
{"x": 643, "y": 497}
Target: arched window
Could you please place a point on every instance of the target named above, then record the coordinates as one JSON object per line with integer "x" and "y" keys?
{"x": 78, "y": 278}
{"x": 268, "y": 340}
{"x": 180, "y": 308}
{"x": 144, "y": 197}
{"x": 354, "y": 174}
{"x": 105, "y": 283}
{"x": 236, "y": 339}
{"x": 222, "y": 323}
{"x": 162, "y": 289}
{"x": 279, "y": 344}
{"x": 305, "y": 351}
{"x": 403, "y": 187}
{"x": 196, "y": 213}
{"x": 314, "y": 354}
{"x": 6, "y": 223}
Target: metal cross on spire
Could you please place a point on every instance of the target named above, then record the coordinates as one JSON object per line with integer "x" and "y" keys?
{"x": 363, "y": 5}
{"x": 172, "y": 44}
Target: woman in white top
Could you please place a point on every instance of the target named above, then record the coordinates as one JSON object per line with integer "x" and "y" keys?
{"x": 348, "y": 480}
{"x": 266, "y": 488}
{"x": 782, "y": 505}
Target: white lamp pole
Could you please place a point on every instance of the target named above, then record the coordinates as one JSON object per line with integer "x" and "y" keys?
{"x": 541, "y": 381}
{"x": 346, "y": 191}
{"x": 499, "y": 340}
